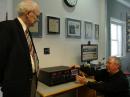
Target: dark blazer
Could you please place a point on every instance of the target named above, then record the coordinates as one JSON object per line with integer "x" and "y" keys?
{"x": 116, "y": 85}
{"x": 15, "y": 64}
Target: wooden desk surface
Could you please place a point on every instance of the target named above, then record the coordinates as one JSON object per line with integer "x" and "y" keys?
{"x": 45, "y": 90}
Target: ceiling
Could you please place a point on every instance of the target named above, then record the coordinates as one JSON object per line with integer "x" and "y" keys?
{"x": 125, "y": 2}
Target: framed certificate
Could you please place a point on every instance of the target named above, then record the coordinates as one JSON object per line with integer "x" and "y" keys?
{"x": 36, "y": 30}
{"x": 53, "y": 25}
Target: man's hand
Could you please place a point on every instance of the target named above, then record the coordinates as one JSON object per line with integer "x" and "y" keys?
{"x": 81, "y": 79}
{"x": 75, "y": 66}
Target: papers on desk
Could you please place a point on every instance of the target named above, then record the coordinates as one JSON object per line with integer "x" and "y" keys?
{"x": 87, "y": 80}
{"x": 90, "y": 80}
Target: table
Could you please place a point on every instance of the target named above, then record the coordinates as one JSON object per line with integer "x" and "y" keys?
{"x": 46, "y": 91}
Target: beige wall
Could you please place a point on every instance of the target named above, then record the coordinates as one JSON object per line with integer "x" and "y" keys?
{"x": 66, "y": 51}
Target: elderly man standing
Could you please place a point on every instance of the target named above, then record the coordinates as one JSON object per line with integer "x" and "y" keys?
{"x": 110, "y": 81}
{"x": 18, "y": 57}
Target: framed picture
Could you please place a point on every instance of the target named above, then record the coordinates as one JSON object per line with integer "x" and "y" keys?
{"x": 53, "y": 25}
{"x": 36, "y": 30}
{"x": 73, "y": 28}
{"x": 88, "y": 30}
{"x": 96, "y": 31}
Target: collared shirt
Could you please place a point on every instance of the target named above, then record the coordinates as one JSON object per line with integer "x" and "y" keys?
{"x": 24, "y": 28}
{"x": 22, "y": 23}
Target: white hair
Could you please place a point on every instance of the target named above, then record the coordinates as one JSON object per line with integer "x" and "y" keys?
{"x": 117, "y": 60}
{"x": 26, "y": 6}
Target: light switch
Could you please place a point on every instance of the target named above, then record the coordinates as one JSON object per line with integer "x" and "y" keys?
{"x": 46, "y": 50}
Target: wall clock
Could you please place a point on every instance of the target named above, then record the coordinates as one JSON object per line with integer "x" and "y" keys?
{"x": 70, "y": 3}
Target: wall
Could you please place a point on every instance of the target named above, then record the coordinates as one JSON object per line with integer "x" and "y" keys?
{"x": 66, "y": 51}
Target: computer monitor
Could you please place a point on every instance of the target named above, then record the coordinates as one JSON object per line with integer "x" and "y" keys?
{"x": 89, "y": 52}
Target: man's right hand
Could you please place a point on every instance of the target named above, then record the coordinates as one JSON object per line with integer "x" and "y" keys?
{"x": 75, "y": 66}
{"x": 81, "y": 79}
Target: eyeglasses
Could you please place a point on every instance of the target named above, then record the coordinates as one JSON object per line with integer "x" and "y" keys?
{"x": 36, "y": 16}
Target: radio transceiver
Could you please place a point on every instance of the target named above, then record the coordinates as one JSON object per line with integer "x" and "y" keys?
{"x": 57, "y": 75}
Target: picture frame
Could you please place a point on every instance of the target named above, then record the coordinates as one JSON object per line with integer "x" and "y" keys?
{"x": 88, "y": 30}
{"x": 89, "y": 52}
{"x": 53, "y": 25}
{"x": 36, "y": 30}
{"x": 96, "y": 31}
{"x": 73, "y": 28}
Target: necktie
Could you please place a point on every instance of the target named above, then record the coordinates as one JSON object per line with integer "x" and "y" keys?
{"x": 33, "y": 54}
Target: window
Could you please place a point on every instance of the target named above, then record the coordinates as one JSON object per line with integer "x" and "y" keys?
{"x": 117, "y": 38}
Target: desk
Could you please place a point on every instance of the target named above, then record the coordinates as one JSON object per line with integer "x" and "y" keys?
{"x": 46, "y": 91}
